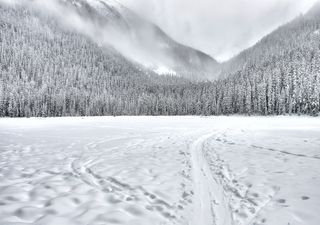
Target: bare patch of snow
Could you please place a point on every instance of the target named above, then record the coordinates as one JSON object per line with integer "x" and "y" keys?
{"x": 113, "y": 3}
{"x": 162, "y": 70}
{"x": 95, "y": 4}
{"x": 98, "y": 4}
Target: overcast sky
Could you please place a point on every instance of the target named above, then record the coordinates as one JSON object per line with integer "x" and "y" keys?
{"x": 221, "y": 28}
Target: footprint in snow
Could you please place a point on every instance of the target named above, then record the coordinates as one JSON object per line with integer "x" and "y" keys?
{"x": 282, "y": 201}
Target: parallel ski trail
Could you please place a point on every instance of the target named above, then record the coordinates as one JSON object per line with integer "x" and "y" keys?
{"x": 210, "y": 205}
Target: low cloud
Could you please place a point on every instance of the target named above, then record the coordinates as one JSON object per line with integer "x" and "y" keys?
{"x": 137, "y": 49}
{"x": 220, "y": 28}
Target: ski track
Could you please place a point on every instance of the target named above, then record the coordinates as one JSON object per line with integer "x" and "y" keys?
{"x": 211, "y": 207}
{"x": 165, "y": 171}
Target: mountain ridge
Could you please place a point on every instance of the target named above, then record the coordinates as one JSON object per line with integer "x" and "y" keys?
{"x": 51, "y": 70}
{"x": 266, "y": 47}
{"x": 156, "y": 48}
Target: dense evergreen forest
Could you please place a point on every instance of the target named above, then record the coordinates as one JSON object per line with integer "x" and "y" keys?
{"x": 47, "y": 70}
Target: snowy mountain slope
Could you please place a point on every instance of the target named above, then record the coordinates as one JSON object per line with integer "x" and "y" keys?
{"x": 40, "y": 61}
{"x": 280, "y": 74}
{"x": 71, "y": 60}
{"x": 145, "y": 42}
{"x": 294, "y": 38}
{"x": 115, "y": 27}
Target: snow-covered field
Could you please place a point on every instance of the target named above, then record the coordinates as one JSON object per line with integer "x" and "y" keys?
{"x": 160, "y": 170}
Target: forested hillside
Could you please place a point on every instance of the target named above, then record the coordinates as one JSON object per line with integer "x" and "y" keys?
{"x": 280, "y": 74}
{"x": 47, "y": 70}
{"x": 109, "y": 22}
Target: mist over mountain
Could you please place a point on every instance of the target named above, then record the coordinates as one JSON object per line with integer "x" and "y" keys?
{"x": 280, "y": 74}
{"x": 296, "y": 37}
{"x": 110, "y": 24}
{"x": 93, "y": 58}
{"x": 314, "y": 12}
{"x": 220, "y": 28}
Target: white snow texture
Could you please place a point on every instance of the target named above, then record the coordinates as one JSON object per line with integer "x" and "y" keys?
{"x": 160, "y": 170}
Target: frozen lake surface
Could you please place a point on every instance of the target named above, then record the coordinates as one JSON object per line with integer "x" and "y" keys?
{"x": 160, "y": 170}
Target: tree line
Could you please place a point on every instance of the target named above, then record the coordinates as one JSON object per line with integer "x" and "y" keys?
{"x": 46, "y": 70}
